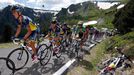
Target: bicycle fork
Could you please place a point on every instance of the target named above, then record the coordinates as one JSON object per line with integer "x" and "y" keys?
{"x": 20, "y": 55}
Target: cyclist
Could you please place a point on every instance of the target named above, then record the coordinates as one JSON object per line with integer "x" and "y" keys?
{"x": 66, "y": 31}
{"x": 74, "y": 29}
{"x": 82, "y": 32}
{"x": 25, "y": 24}
{"x": 80, "y": 29}
{"x": 54, "y": 34}
{"x": 85, "y": 34}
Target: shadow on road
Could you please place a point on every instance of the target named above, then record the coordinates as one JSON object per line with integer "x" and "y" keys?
{"x": 37, "y": 69}
{"x": 58, "y": 63}
{"x": 33, "y": 70}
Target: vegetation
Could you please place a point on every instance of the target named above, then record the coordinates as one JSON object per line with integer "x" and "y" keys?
{"x": 123, "y": 20}
{"x": 123, "y": 41}
{"x": 87, "y": 11}
{"x": 88, "y": 66}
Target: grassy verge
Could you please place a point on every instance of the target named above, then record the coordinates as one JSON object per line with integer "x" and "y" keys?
{"x": 89, "y": 64}
{"x": 124, "y": 41}
{"x": 100, "y": 52}
{"x": 7, "y": 45}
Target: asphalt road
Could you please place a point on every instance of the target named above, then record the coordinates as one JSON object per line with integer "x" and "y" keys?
{"x": 35, "y": 68}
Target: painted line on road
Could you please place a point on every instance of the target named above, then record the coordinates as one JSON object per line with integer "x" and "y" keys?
{"x": 91, "y": 45}
{"x": 99, "y": 40}
{"x": 63, "y": 68}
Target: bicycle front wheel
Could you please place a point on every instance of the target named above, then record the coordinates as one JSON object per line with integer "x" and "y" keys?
{"x": 45, "y": 54}
{"x": 19, "y": 56}
{"x": 59, "y": 53}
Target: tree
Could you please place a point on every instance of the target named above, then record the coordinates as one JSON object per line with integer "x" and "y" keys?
{"x": 7, "y": 33}
{"x": 124, "y": 18}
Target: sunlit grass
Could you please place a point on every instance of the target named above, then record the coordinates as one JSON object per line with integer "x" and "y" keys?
{"x": 89, "y": 65}
{"x": 7, "y": 45}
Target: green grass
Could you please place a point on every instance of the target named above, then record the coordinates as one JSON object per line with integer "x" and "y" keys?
{"x": 124, "y": 41}
{"x": 7, "y": 45}
{"x": 102, "y": 51}
{"x": 89, "y": 65}
{"x": 124, "y": 1}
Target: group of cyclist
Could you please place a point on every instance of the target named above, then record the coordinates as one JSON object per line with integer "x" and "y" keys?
{"x": 56, "y": 31}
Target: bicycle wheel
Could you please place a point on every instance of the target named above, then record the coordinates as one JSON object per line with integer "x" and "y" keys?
{"x": 4, "y": 69}
{"x": 45, "y": 54}
{"x": 77, "y": 52}
{"x": 72, "y": 49}
{"x": 20, "y": 57}
{"x": 58, "y": 55}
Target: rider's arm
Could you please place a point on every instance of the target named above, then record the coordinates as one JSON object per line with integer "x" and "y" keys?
{"x": 19, "y": 21}
{"x": 85, "y": 34}
{"x": 47, "y": 35}
{"x": 28, "y": 33}
{"x": 18, "y": 31}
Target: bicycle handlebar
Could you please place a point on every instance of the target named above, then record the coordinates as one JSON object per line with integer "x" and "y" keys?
{"x": 17, "y": 41}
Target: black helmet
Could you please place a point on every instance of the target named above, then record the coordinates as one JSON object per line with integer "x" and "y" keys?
{"x": 65, "y": 24}
{"x": 54, "y": 22}
{"x": 17, "y": 8}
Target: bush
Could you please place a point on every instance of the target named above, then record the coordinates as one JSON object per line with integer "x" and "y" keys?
{"x": 130, "y": 52}
{"x": 124, "y": 41}
{"x": 123, "y": 20}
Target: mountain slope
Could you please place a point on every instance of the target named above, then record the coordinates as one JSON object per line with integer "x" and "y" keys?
{"x": 80, "y": 11}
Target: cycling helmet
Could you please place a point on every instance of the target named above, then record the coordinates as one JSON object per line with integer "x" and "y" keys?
{"x": 74, "y": 25}
{"x": 64, "y": 24}
{"x": 54, "y": 22}
{"x": 16, "y": 8}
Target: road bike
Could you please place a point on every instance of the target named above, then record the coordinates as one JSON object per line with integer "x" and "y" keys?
{"x": 20, "y": 55}
{"x": 54, "y": 50}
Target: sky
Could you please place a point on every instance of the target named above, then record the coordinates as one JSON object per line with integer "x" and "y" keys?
{"x": 49, "y": 4}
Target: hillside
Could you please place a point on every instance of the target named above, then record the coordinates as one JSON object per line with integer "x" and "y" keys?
{"x": 75, "y": 12}
{"x": 122, "y": 18}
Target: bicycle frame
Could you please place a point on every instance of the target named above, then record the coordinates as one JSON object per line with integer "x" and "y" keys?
{"x": 116, "y": 61}
{"x": 25, "y": 48}
{"x": 51, "y": 46}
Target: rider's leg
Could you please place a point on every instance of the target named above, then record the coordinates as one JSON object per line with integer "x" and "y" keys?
{"x": 32, "y": 45}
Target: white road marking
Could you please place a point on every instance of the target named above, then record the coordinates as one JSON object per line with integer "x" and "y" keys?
{"x": 63, "y": 68}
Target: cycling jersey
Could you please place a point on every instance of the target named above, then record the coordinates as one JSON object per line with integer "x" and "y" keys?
{"x": 66, "y": 30}
{"x": 54, "y": 33}
{"x": 26, "y": 21}
{"x": 80, "y": 31}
